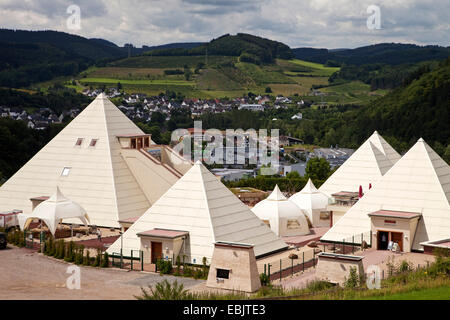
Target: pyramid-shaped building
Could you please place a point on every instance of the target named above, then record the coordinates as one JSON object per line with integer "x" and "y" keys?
{"x": 364, "y": 167}
{"x": 202, "y": 211}
{"x": 87, "y": 160}
{"x": 416, "y": 188}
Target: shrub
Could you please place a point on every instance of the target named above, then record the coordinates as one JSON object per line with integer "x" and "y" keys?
{"x": 164, "y": 266}
{"x": 205, "y": 268}
{"x": 70, "y": 254}
{"x": 178, "y": 262}
{"x": 316, "y": 286}
{"x": 404, "y": 266}
{"x": 164, "y": 290}
{"x": 52, "y": 247}
{"x": 187, "y": 271}
{"x": 87, "y": 259}
{"x": 353, "y": 279}
{"x": 105, "y": 262}
{"x": 79, "y": 253}
{"x": 198, "y": 274}
{"x": 97, "y": 261}
{"x": 264, "y": 279}
{"x": 61, "y": 249}
{"x": 390, "y": 268}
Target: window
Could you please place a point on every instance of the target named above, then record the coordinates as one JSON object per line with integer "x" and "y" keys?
{"x": 65, "y": 172}
{"x": 267, "y": 222}
{"x": 93, "y": 142}
{"x": 79, "y": 142}
{"x": 324, "y": 215}
{"x": 293, "y": 224}
{"x": 223, "y": 274}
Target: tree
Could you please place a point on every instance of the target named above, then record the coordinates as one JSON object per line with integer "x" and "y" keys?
{"x": 268, "y": 90}
{"x": 318, "y": 169}
{"x": 187, "y": 74}
{"x": 293, "y": 175}
{"x": 447, "y": 154}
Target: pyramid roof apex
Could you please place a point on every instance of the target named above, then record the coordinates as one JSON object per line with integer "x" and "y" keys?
{"x": 276, "y": 195}
{"x": 309, "y": 187}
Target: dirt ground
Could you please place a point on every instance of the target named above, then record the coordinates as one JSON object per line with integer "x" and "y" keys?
{"x": 25, "y": 274}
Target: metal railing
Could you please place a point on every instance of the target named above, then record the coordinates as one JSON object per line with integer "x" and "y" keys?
{"x": 285, "y": 267}
{"x": 118, "y": 260}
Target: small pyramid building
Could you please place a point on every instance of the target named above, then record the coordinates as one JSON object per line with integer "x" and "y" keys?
{"x": 283, "y": 216}
{"x": 365, "y": 166}
{"x": 417, "y": 187}
{"x": 199, "y": 207}
{"x": 313, "y": 202}
{"x": 89, "y": 163}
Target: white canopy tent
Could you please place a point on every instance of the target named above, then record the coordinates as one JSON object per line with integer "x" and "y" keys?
{"x": 283, "y": 216}
{"x": 53, "y": 211}
{"x": 312, "y": 201}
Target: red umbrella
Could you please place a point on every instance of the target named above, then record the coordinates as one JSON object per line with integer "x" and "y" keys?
{"x": 360, "y": 192}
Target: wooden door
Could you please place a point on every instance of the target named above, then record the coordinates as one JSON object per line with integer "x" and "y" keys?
{"x": 397, "y": 237}
{"x": 156, "y": 251}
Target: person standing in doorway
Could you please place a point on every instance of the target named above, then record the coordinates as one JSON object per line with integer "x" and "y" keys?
{"x": 99, "y": 235}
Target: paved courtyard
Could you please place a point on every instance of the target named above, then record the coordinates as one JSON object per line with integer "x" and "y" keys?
{"x": 25, "y": 274}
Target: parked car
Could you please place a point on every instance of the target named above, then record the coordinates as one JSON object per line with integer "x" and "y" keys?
{"x": 3, "y": 240}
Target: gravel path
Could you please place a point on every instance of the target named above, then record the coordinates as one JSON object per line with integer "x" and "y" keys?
{"x": 28, "y": 275}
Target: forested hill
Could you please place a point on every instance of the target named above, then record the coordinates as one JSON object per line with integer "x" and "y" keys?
{"x": 248, "y": 47}
{"x": 93, "y": 49}
{"x": 384, "y": 53}
{"x": 421, "y": 109}
{"x": 27, "y": 57}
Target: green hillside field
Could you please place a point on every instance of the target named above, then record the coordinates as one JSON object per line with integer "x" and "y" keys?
{"x": 222, "y": 76}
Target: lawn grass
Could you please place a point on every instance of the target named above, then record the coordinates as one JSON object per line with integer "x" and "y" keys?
{"x": 213, "y": 79}
{"x": 171, "y": 61}
{"x": 137, "y": 82}
{"x": 440, "y": 293}
{"x": 263, "y": 74}
{"x": 126, "y": 73}
{"x": 310, "y": 68}
{"x": 145, "y": 74}
{"x": 354, "y": 92}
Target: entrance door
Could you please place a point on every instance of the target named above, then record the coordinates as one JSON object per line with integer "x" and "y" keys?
{"x": 156, "y": 251}
{"x": 383, "y": 240}
{"x": 397, "y": 237}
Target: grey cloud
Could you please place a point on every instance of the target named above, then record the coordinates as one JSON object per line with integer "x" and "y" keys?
{"x": 320, "y": 23}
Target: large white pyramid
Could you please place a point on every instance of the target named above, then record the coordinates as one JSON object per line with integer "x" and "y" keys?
{"x": 200, "y": 204}
{"x": 365, "y": 166}
{"x": 419, "y": 182}
{"x": 97, "y": 177}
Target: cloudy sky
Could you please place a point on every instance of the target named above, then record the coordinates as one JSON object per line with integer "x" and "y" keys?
{"x": 298, "y": 23}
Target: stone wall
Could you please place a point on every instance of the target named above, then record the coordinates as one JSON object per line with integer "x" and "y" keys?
{"x": 240, "y": 261}
{"x": 337, "y": 269}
